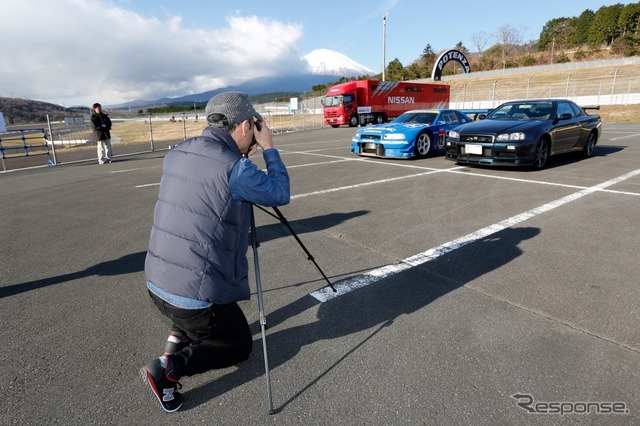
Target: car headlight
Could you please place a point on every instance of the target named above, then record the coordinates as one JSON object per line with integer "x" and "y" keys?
{"x": 518, "y": 136}
{"x": 394, "y": 136}
{"x": 454, "y": 135}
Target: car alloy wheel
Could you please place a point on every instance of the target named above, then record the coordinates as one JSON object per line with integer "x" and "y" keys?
{"x": 542, "y": 155}
{"x": 423, "y": 145}
{"x": 590, "y": 146}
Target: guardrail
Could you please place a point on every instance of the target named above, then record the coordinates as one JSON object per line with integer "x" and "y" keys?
{"x": 24, "y": 143}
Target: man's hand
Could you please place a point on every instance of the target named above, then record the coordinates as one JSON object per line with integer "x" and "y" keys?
{"x": 263, "y": 137}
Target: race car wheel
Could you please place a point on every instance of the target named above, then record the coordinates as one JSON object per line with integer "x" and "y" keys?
{"x": 590, "y": 146}
{"x": 423, "y": 145}
{"x": 542, "y": 154}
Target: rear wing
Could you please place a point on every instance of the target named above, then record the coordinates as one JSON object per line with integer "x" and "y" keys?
{"x": 586, "y": 107}
{"x": 475, "y": 114}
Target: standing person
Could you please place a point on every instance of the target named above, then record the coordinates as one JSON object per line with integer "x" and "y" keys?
{"x": 196, "y": 266}
{"x": 101, "y": 133}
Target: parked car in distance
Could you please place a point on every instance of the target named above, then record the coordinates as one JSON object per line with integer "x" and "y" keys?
{"x": 525, "y": 133}
{"x": 416, "y": 133}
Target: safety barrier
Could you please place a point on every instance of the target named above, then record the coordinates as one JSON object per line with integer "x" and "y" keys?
{"x": 24, "y": 143}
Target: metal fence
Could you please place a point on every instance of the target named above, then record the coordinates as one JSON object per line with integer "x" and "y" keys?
{"x": 611, "y": 87}
{"x": 614, "y": 82}
{"x": 610, "y": 82}
{"x": 25, "y": 144}
{"x": 70, "y": 141}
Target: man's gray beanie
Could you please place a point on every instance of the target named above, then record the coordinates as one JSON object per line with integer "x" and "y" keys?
{"x": 230, "y": 108}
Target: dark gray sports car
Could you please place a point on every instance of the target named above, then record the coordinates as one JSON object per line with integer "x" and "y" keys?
{"x": 525, "y": 133}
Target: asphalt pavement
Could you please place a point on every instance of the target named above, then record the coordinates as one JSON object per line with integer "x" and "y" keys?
{"x": 464, "y": 295}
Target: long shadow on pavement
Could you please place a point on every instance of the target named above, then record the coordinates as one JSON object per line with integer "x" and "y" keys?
{"x": 369, "y": 308}
{"x": 134, "y": 262}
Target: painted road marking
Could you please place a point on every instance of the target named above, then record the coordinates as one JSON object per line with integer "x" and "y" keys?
{"x": 378, "y": 274}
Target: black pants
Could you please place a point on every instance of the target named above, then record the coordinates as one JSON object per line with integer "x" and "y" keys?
{"x": 220, "y": 334}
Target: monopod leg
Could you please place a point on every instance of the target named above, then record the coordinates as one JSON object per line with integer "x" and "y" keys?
{"x": 263, "y": 318}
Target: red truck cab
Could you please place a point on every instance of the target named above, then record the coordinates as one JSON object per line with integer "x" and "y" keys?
{"x": 370, "y": 101}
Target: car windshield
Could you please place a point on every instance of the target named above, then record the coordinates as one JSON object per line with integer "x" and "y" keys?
{"x": 416, "y": 117}
{"x": 332, "y": 100}
{"x": 522, "y": 111}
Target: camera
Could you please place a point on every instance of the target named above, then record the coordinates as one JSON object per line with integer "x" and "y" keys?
{"x": 259, "y": 128}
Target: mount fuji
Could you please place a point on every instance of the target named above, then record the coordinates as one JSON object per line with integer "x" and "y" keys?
{"x": 320, "y": 66}
{"x": 330, "y": 62}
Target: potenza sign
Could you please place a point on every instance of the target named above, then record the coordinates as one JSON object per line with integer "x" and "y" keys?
{"x": 449, "y": 55}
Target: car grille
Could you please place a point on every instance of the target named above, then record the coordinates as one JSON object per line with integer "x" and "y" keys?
{"x": 369, "y": 137}
{"x": 485, "y": 141}
{"x": 476, "y": 138}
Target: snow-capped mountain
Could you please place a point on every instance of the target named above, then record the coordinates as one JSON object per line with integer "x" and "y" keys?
{"x": 330, "y": 62}
{"x": 324, "y": 66}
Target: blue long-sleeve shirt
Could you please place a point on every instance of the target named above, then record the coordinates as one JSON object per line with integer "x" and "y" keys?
{"x": 248, "y": 183}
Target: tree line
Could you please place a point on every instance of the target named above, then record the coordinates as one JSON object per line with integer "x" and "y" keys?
{"x": 611, "y": 31}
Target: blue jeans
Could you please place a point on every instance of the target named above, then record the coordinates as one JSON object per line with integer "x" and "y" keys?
{"x": 220, "y": 334}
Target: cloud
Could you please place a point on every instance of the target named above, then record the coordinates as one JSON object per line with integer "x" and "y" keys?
{"x": 81, "y": 51}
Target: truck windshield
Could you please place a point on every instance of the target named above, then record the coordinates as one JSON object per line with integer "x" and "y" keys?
{"x": 332, "y": 100}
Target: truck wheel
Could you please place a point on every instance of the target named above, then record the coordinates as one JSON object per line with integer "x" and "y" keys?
{"x": 423, "y": 145}
{"x": 378, "y": 119}
{"x": 353, "y": 121}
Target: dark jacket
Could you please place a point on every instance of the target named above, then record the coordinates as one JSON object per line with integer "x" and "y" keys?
{"x": 200, "y": 234}
{"x": 101, "y": 126}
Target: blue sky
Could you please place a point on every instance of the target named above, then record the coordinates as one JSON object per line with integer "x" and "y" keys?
{"x": 76, "y": 52}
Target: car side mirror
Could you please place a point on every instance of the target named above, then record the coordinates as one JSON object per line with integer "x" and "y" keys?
{"x": 482, "y": 116}
{"x": 564, "y": 116}
{"x": 441, "y": 123}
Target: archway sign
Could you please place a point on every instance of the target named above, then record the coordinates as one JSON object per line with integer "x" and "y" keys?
{"x": 449, "y": 55}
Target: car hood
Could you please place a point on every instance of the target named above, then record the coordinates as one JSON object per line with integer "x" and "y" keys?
{"x": 498, "y": 126}
{"x": 393, "y": 128}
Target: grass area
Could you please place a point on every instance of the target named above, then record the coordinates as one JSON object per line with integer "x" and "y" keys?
{"x": 139, "y": 131}
{"x": 603, "y": 81}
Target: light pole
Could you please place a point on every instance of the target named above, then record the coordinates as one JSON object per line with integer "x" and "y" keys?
{"x": 384, "y": 43}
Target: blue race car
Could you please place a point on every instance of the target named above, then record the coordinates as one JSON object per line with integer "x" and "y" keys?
{"x": 417, "y": 133}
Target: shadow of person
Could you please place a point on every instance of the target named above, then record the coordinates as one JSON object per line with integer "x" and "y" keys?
{"x": 368, "y": 308}
{"x": 127, "y": 264}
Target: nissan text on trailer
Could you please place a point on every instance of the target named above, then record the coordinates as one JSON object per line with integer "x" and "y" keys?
{"x": 370, "y": 101}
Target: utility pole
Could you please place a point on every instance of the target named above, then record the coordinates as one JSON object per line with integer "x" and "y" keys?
{"x": 384, "y": 44}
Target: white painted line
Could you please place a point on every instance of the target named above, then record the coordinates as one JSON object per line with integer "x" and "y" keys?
{"x": 636, "y": 135}
{"x": 512, "y": 179}
{"x": 147, "y": 185}
{"x": 359, "y": 185}
{"x": 135, "y": 170}
{"x": 317, "y": 164}
{"x": 378, "y": 274}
